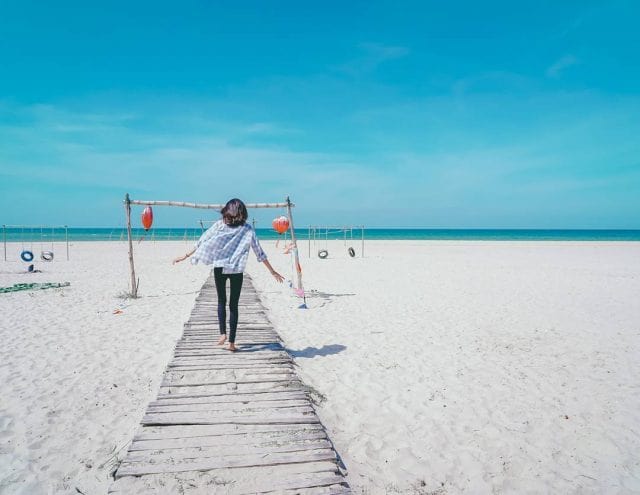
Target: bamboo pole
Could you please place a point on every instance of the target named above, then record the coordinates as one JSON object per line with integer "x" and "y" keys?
{"x": 205, "y": 205}
{"x": 134, "y": 285}
{"x": 295, "y": 249}
{"x": 4, "y": 239}
{"x": 66, "y": 239}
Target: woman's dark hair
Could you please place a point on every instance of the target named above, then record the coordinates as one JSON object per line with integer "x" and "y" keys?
{"x": 234, "y": 213}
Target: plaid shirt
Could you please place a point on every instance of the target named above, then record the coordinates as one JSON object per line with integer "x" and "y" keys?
{"x": 227, "y": 247}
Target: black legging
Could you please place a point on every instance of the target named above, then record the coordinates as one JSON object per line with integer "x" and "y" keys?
{"x": 236, "y": 287}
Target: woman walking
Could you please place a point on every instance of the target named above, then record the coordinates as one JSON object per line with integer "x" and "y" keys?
{"x": 225, "y": 245}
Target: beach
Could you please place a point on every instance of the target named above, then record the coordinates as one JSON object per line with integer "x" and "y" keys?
{"x": 445, "y": 366}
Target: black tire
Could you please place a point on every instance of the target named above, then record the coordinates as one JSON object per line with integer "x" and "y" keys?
{"x": 323, "y": 254}
{"x": 352, "y": 252}
{"x": 26, "y": 256}
{"x": 46, "y": 256}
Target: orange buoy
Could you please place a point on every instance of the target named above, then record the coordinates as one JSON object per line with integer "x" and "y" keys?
{"x": 147, "y": 218}
{"x": 280, "y": 224}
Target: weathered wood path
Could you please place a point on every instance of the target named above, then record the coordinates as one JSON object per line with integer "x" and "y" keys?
{"x": 230, "y": 422}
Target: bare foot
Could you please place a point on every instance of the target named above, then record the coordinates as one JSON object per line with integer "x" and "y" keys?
{"x": 232, "y": 347}
{"x": 223, "y": 339}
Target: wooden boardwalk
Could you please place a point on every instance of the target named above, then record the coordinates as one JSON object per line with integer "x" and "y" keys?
{"x": 228, "y": 422}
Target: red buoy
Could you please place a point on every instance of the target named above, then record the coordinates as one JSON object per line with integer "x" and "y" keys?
{"x": 147, "y": 218}
{"x": 280, "y": 224}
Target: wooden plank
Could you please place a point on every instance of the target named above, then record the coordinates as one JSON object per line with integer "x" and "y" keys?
{"x": 255, "y": 438}
{"x": 283, "y": 367}
{"x": 169, "y": 393}
{"x": 231, "y": 398}
{"x": 212, "y": 339}
{"x": 233, "y": 363}
{"x": 209, "y": 335}
{"x": 140, "y": 468}
{"x": 212, "y": 343}
{"x": 252, "y": 388}
{"x": 217, "y": 451}
{"x": 190, "y": 374}
{"x": 248, "y": 352}
{"x": 184, "y": 376}
{"x": 258, "y": 349}
{"x": 209, "y": 364}
{"x": 221, "y": 353}
{"x": 229, "y": 406}
{"x": 234, "y": 358}
{"x": 249, "y": 379}
{"x": 266, "y": 352}
{"x": 208, "y": 316}
{"x": 233, "y": 481}
{"x": 277, "y": 352}
{"x": 235, "y": 408}
{"x": 246, "y": 321}
{"x": 214, "y": 336}
{"x": 194, "y": 431}
{"x": 282, "y": 402}
{"x": 201, "y": 418}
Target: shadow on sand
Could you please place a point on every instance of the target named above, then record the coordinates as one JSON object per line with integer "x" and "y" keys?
{"x": 311, "y": 352}
{"x": 324, "y": 295}
{"x": 260, "y": 347}
{"x": 307, "y": 352}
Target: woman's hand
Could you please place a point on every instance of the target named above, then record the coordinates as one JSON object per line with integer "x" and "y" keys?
{"x": 182, "y": 258}
{"x": 277, "y": 276}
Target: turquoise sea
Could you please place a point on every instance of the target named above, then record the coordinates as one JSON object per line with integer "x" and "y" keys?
{"x": 48, "y": 234}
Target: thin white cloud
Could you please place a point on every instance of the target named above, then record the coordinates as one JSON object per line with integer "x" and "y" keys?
{"x": 381, "y": 53}
{"x": 491, "y": 82}
{"x": 561, "y": 65}
{"x": 426, "y": 153}
{"x": 266, "y": 128}
{"x": 372, "y": 56}
{"x": 195, "y": 166}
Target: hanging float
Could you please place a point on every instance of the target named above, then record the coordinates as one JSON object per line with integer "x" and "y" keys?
{"x": 147, "y": 218}
{"x": 280, "y": 224}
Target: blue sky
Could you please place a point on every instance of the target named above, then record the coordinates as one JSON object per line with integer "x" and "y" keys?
{"x": 434, "y": 114}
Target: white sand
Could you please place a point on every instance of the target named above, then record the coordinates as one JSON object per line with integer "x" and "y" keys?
{"x": 475, "y": 367}
{"x": 75, "y": 378}
{"x": 448, "y": 367}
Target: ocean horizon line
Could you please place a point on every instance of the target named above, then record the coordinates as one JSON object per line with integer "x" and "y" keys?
{"x": 28, "y": 234}
{"x": 322, "y": 226}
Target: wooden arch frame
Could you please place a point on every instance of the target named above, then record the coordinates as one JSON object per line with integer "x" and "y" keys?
{"x": 127, "y": 206}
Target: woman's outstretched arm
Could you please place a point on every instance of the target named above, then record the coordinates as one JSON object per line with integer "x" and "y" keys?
{"x": 275, "y": 274}
{"x": 182, "y": 258}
